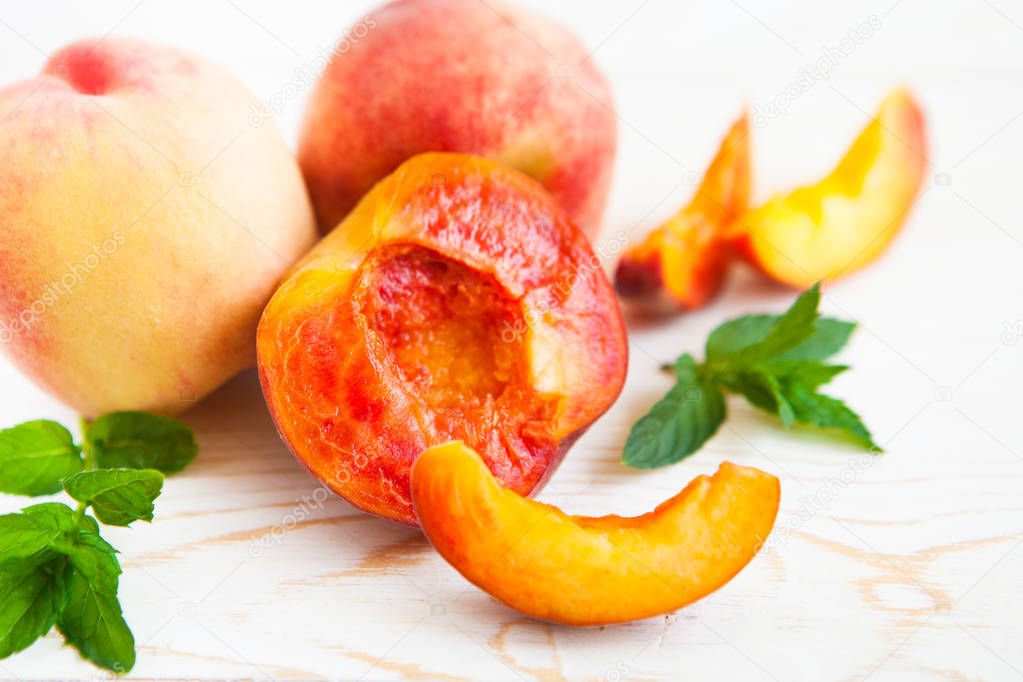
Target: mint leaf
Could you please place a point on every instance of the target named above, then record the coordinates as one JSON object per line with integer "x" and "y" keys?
{"x": 828, "y": 413}
{"x": 94, "y": 558}
{"x": 751, "y": 339}
{"x": 31, "y": 597}
{"x": 805, "y": 372}
{"x": 35, "y": 456}
{"x": 92, "y": 622}
{"x": 55, "y": 515}
{"x": 77, "y": 539}
{"x": 117, "y": 496}
{"x": 777, "y": 362}
{"x": 24, "y": 537}
{"x": 829, "y": 336}
{"x": 139, "y": 440}
{"x": 762, "y": 390}
{"x": 679, "y": 424}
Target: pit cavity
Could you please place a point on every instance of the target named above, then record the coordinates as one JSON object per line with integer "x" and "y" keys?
{"x": 448, "y": 329}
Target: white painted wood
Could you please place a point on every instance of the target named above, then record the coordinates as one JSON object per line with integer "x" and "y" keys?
{"x": 909, "y": 569}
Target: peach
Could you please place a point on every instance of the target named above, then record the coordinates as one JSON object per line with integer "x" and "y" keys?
{"x": 843, "y": 222}
{"x": 582, "y": 570}
{"x": 483, "y": 78}
{"x": 456, "y": 301}
{"x": 682, "y": 263}
{"x": 144, "y": 225}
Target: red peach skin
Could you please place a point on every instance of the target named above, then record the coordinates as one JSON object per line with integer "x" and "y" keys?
{"x": 483, "y": 78}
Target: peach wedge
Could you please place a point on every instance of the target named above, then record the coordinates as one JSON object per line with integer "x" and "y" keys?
{"x": 840, "y": 224}
{"x": 681, "y": 264}
{"x": 591, "y": 570}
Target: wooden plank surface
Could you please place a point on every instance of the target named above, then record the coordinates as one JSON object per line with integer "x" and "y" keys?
{"x": 904, "y": 566}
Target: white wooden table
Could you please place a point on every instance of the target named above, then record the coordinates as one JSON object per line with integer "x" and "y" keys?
{"x": 906, "y": 566}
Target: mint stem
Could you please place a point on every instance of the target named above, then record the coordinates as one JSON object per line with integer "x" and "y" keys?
{"x": 87, "y": 464}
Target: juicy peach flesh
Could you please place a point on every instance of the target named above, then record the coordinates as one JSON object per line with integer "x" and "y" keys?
{"x": 682, "y": 263}
{"x": 591, "y": 570}
{"x": 843, "y": 222}
{"x": 466, "y": 307}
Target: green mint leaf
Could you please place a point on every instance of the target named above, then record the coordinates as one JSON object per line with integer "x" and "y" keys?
{"x": 93, "y": 623}
{"x": 94, "y": 558}
{"x": 828, "y": 413}
{"x": 35, "y": 456}
{"x": 829, "y": 336}
{"x": 762, "y": 390}
{"x": 792, "y": 328}
{"x": 679, "y": 424}
{"x": 55, "y": 515}
{"x": 117, "y": 496}
{"x": 807, "y": 373}
{"x": 22, "y": 536}
{"x": 139, "y": 440}
{"x": 738, "y": 334}
{"x": 31, "y": 597}
{"x": 797, "y": 335}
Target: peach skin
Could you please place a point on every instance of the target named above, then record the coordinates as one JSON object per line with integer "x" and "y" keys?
{"x": 143, "y": 225}
{"x": 842, "y": 223}
{"x": 484, "y": 78}
{"x": 582, "y": 570}
{"x": 457, "y": 301}
{"x": 681, "y": 264}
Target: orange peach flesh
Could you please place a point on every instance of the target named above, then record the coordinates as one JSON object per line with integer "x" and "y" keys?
{"x": 843, "y": 222}
{"x": 591, "y": 570}
{"x": 441, "y": 324}
{"x": 682, "y": 263}
{"x": 465, "y": 309}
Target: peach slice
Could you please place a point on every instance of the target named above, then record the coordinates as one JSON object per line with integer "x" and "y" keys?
{"x": 681, "y": 264}
{"x": 840, "y": 224}
{"x": 456, "y": 301}
{"x": 582, "y": 570}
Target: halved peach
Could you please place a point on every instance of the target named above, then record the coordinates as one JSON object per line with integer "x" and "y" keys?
{"x": 456, "y": 301}
{"x": 591, "y": 570}
{"x": 681, "y": 264}
{"x": 827, "y": 230}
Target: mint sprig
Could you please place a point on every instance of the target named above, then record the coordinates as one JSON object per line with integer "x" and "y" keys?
{"x": 777, "y": 362}
{"x": 55, "y": 567}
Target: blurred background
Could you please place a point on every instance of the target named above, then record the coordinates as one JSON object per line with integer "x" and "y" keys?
{"x": 910, "y": 571}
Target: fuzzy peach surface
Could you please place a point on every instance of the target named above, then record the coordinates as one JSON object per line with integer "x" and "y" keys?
{"x": 456, "y": 301}
{"x": 591, "y": 570}
{"x": 484, "y": 78}
{"x": 143, "y": 225}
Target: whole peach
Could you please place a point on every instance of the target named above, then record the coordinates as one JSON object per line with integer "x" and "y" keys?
{"x": 143, "y": 225}
{"x": 483, "y": 78}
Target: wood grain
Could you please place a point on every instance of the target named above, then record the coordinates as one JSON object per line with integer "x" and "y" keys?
{"x": 903, "y": 566}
